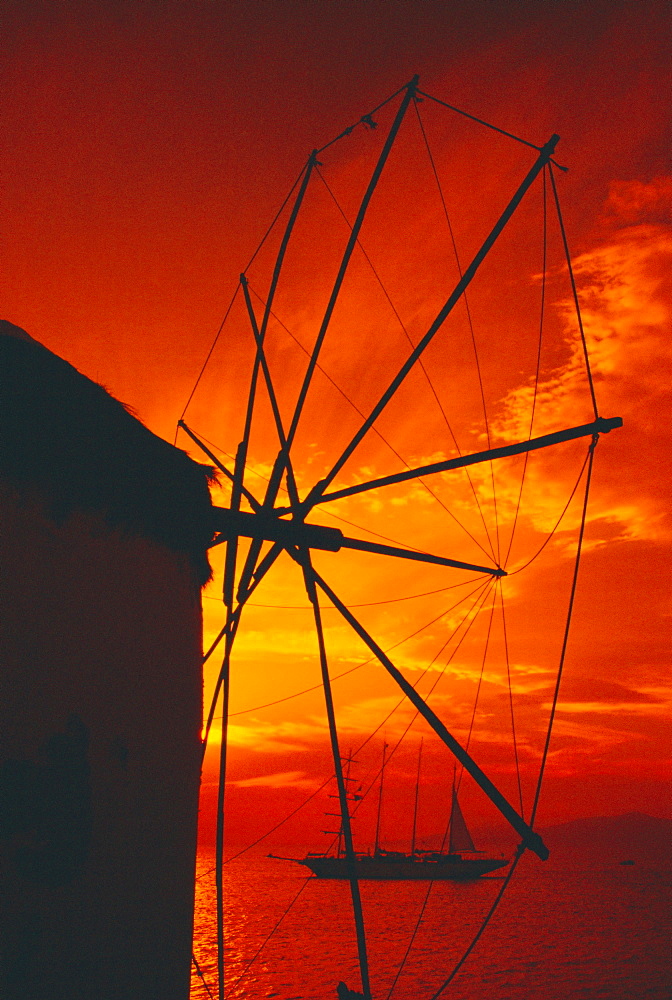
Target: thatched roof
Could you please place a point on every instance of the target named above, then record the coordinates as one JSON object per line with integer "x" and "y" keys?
{"x": 65, "y": 437}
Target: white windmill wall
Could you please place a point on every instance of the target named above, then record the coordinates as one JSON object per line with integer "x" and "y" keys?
{"x": 100, "y": 716}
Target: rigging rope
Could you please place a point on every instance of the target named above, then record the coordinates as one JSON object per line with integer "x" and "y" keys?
{"x": 423, "y": 368}
{"x": 358, "y": 411}
{"x": 563, "y": 653}
{"x": 267, "y": 939}
{"x": 235, "y": 294}
{"x": 365, "y": 604}
{"x": 277, "y": 826}
{"x": 556, "y": 693}
{"x": 410, "y": 943}
{"x": 496, "y": 556}
{"x": 207, "y": 359}
{"x": 486, "y": 921}
{"x": 536, "y": 374}
{"x": 480, "y": 121}
{"x": 277, "y": 215}
{"x": 529, "y": 562}
{"x": 480, "y": 680}
{"x": 389, "y": 649}
{"x": 200, "y": 973}
{"x": 513, "y": 720}
{"x": 575, "y": 293}
{"x": 364, "y": 120}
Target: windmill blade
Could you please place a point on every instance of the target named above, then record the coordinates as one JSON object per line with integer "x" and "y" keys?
{"x": 600, "y": 426}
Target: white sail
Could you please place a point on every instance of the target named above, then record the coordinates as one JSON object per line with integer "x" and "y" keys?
{"x": 460, "y": 838}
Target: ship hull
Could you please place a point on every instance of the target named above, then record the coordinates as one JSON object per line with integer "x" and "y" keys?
{"x": 404, "y": 869}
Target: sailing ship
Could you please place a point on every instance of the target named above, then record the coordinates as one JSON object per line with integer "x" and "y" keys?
{"x": 418, "y": 865}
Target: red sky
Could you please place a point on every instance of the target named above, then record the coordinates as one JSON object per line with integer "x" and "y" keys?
{"x": 147, "y": 149}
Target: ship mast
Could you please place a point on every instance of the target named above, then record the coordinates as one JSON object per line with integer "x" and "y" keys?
{"x": 351, "y": 797}
{"x": 376, "y": 850}
{"x": 417, "y": 792}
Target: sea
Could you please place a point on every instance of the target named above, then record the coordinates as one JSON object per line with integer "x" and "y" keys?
{"x": 570, "y": 928}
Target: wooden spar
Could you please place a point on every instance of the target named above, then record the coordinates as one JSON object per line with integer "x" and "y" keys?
{"x": 253, "y": 502}
{"x": 303, "y": 559}
{"x": 600, "y": 426}
{"x": 261, "y": 355}
{"x": 282, "y": 461}
{"x": 260, "y": 360}
{"x": 224, "y": 677}
{"x": 352, "y": 242}
{"x": 266, "y": 527}
{"x": 460, "y": 288}
{"x": 310, "y": 166}
{"x": 271, "y": 527}
{"x": 392, "y": 550}
{"x": 260, "y": 333}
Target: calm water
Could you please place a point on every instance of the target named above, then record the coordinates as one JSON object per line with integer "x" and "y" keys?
{"x": 564, "y": 931}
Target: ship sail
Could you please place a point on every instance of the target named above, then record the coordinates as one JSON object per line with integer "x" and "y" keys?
{"x": 460, "y": 838}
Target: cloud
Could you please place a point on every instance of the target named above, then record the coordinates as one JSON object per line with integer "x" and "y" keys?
{"x": 625, "y": 292}
{"x": 611, "y": 708}
{"x": 273, "y": 737}
{"x": 280, "y": 779}
{"x": 636, "y": 202}
{"x": 595, "y": 696}
{"x": 625, "y": 298}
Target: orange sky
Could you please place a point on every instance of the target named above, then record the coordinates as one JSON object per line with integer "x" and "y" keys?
{"x": 148, "y": 148}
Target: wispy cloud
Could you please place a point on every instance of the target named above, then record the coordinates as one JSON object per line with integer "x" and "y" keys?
{"x": 273, "y": 737}
{"x": 280, "y": 779}
{"x": 636, "y": 202}
{"x": 625, "y": 293}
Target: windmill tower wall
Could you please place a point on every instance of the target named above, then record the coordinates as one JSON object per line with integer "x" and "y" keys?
{"x": 102, "y": 555}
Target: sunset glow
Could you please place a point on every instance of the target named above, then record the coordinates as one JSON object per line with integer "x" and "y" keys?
{"x": 150, "y": 149}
